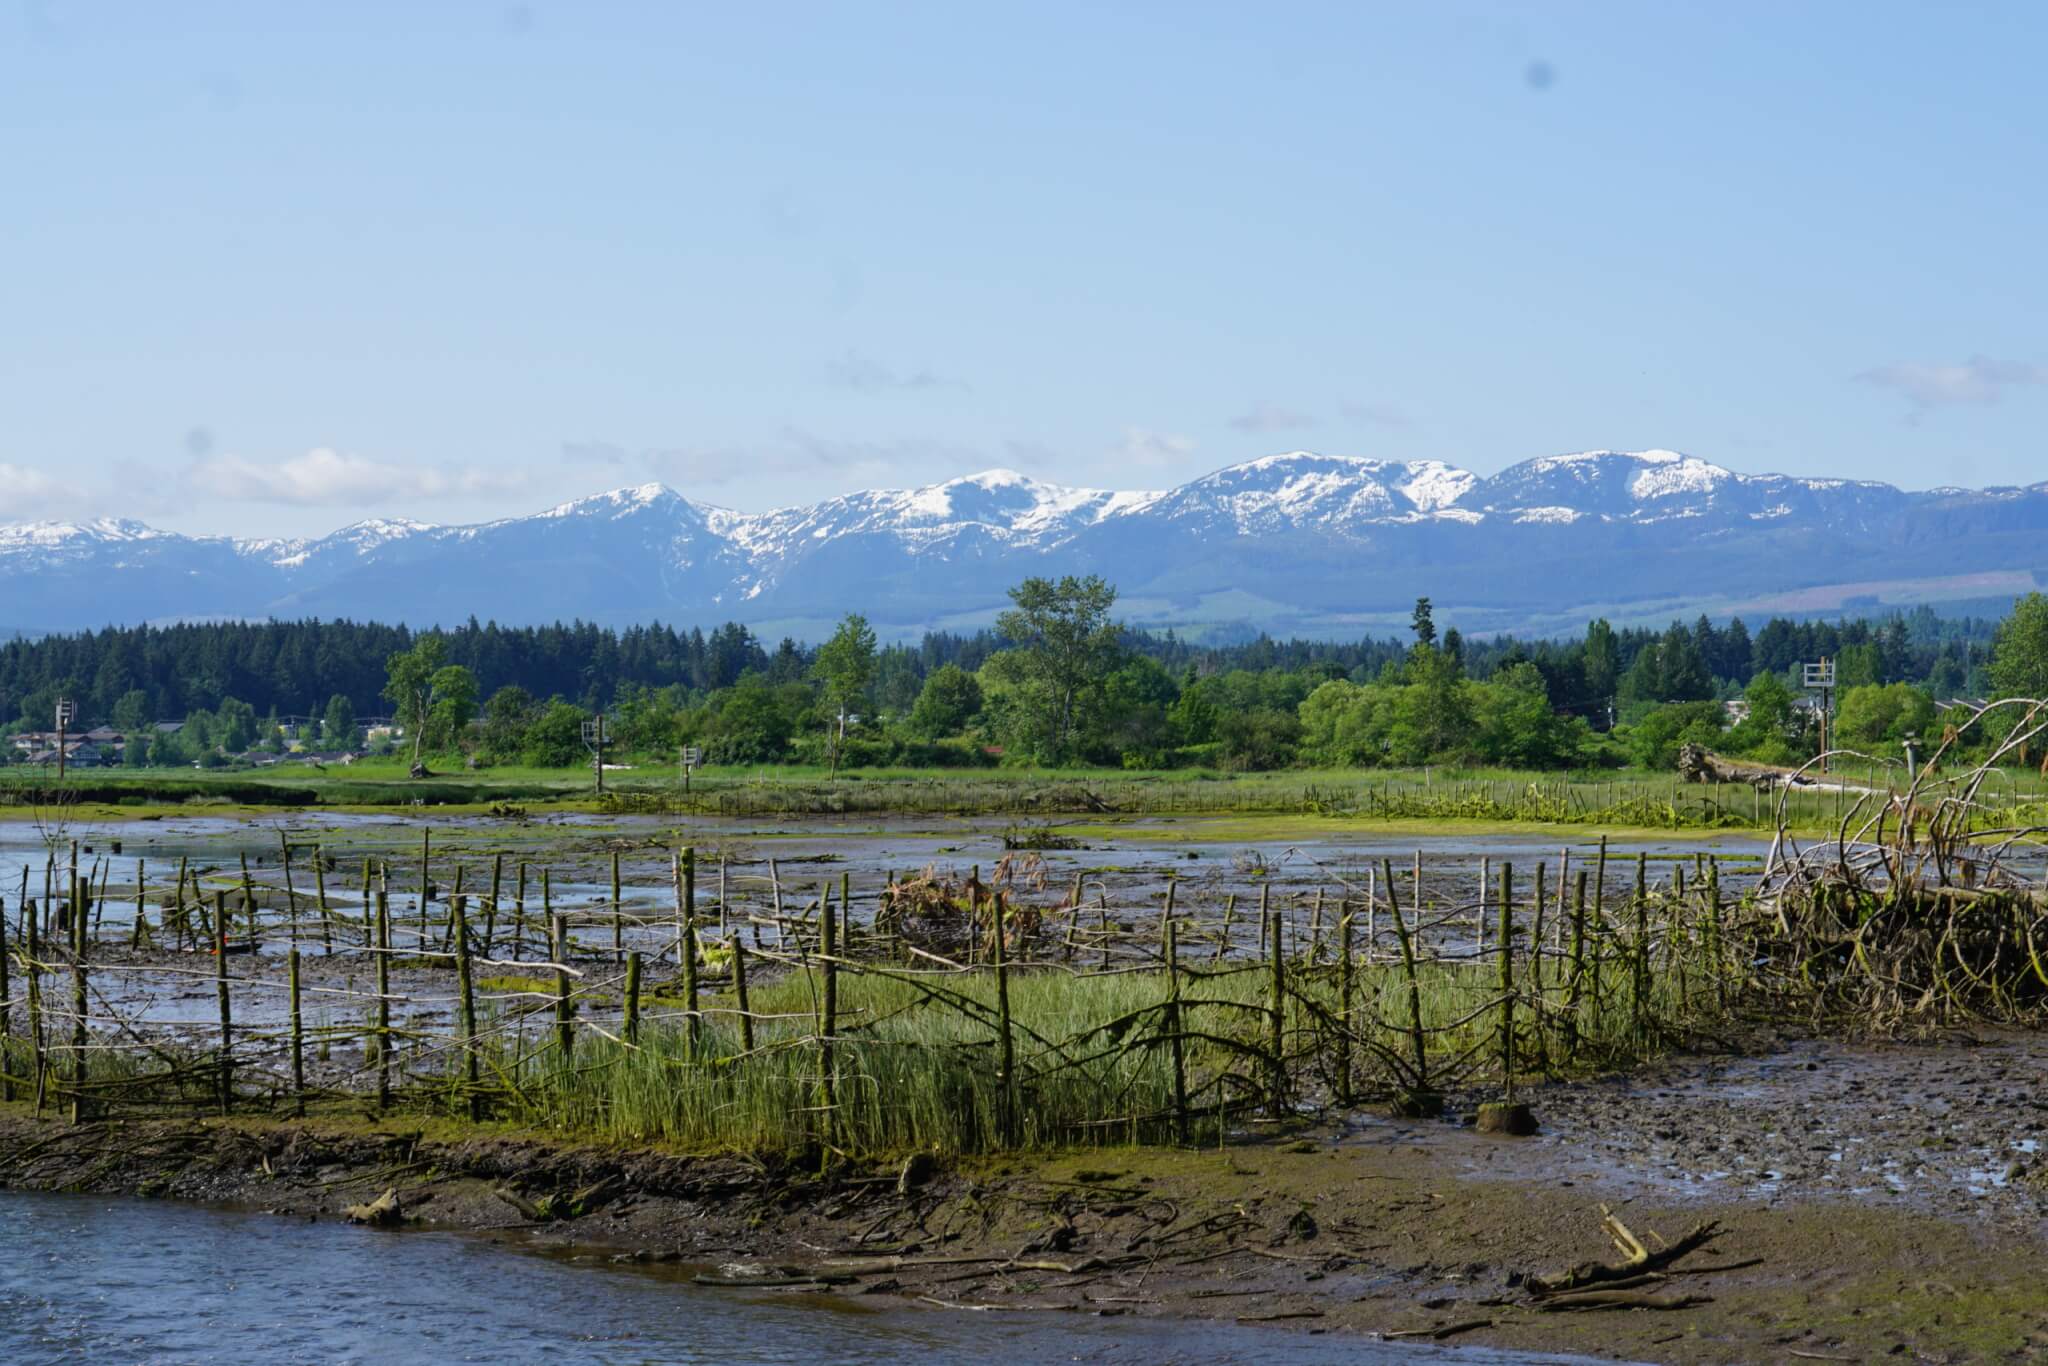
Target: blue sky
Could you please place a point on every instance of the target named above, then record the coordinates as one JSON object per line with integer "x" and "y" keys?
{"x": 284, "y": 267}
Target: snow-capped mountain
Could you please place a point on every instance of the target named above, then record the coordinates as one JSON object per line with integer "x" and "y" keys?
{"x": 1296, "y": 542}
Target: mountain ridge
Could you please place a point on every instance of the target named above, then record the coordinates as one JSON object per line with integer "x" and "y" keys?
{"x": 1294, "y": 541}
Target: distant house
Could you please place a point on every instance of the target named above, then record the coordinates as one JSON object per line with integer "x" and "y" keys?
{"x": 169, "y": 727}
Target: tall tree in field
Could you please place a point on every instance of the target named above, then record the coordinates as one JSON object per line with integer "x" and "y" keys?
{"x": 2019, "y": 657}
{"x": 425, "y": 688}
{"x": 1064, "y": 648}
{"x": 844, "y": 665}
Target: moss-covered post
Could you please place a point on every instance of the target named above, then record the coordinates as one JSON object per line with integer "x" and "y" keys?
{"x": 1598, "y": 952}
{"x": 491, "y": 906}
{"x": 1640, "y": 962}
{"x": 828, "y": 1026}
{"x": 618, "y": 913}
{"x": 1507, "y": 979}
{"x": 7, "y": 993}
{"x": 298, "y": 1027}
{"x": 1422, "y": 1100}
{"x": 426, "y": 881}
{"x": 465, "y": 985}
{"x": 79, "y": 1109}
{"x": 1716, "y": 964}
{"x": 226, "y": 1077}
{"x": 291, "y": 891}
{"x": 565, "y": 1032}
{"x": 1345, "y": 975}
{"x": 1276, "y": 1020}
{"x": 320, "y": 895}
{"x": 249, "y": 897}
{"x": 381, "y": 933}
{"x": 686, "y": 946}
{"x": 1170, "y": 949}
{"x": 632, "y": 1022}
{"x": 1575, "y": 984}
{"x": 739, "y": 991}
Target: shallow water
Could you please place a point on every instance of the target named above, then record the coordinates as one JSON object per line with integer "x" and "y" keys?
{"x": 86, "y": 1278}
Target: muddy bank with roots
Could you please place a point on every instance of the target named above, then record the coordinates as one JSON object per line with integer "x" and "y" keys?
{"x": 1402, "y": 1229}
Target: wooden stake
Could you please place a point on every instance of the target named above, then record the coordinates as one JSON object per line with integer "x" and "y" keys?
{"x": 298, "y": 1035}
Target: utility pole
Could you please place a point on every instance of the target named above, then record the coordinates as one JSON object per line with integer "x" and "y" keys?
{"x": 65, "y": 711}
{"x": 1820, "y": 678}
{"x": 593, "y": 736}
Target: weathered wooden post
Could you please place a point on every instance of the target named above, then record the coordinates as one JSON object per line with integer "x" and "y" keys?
{"x": 7, "y": 993}
{"x": 618, "y": 912}
{"x": 1506, "y": 1116}
{"x": 686, "y": 948}
{"x": 828, "y": 1026}
{"x": 1171, "y": 950}
{"x": 298, "y": 1028}
{"x": 1640, "y": 967}
{"x": 426, "y": 881}
{"x": 291, "y": 893}
{"x": 320, "y": 895}
{"x": 1422, "y": 1100}
{"x": 1578, "y": 966}
{"x": 382, "y": 935}
{"x": 739, "y": 989}
{"x": 458, "y": 918}
{"x": 1345, "y": 973}
{"x": 632, "y": 1030}
{"x": 79, "y": 1109}
{"x": 1277, "y": 1020}
{"x": 1718, "y": 965}
{"x": 491, "y": 906}
{"x": 220, "y": 988}
{"x": 565, "y": 1032}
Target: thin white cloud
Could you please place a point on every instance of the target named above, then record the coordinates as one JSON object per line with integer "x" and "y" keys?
{"x": 868, "y": 375}
{"x": 594, "y": 453}
{"x": 28, "y": 495}
{"x": 796, "y": 452}
{"x": 1271, "y": 417}
{"x": 1978, "y": 380}
{"x": 324, "y": 477}
{"x": 1378, "y": 414}
{"x": 1153, "y": 450}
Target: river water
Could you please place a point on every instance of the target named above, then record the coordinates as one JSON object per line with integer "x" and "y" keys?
{"x": 92, "y": 1279}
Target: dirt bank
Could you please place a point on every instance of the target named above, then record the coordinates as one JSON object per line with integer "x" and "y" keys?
{"x": 1368, "y": 1227}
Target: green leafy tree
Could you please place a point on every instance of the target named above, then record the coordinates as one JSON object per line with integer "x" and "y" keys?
{"x": 752, "y": 724}
{"x": 1433, "y": 716}
{"x": 338, "y": 724}
{"x": 1880, "y": 716}
{"x": 1516, "y": 726}
{"x": 951, "y": 697}
{"x": 1064, "y": 646}
{"x": 508, "y": 714}
{"x": 429, "y": 692}
{"x": 2019, "y": 653}
{"x": 1653, "y": 740}
{"x": 1768, "y": 731}
{"x": 843, "y": 667}
{"x": 131, "y": 713}
{"x": 454, "y": 705}
{"x": 237, "y": 726}
{"x": 1602, "y": 662}
{"x": 554, "y": 737}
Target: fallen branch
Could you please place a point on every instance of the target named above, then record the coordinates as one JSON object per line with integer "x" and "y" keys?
{"x": 1637, "y": 1260}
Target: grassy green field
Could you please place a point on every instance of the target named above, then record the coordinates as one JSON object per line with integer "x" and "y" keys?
{"x": 1616, "y": 799}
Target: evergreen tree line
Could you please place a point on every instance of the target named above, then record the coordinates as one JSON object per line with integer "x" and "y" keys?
{"x": 301, "y": 668}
